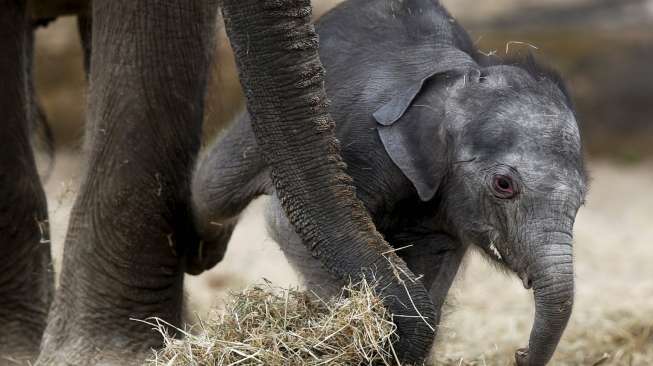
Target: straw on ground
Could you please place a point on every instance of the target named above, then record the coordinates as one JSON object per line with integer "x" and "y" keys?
{"x": 264, "y": 325}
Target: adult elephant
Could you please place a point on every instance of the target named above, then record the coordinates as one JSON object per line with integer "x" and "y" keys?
{"x": 130, "y": 237}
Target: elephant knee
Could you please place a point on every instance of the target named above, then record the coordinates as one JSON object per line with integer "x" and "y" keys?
{"x": 219, "y": 192}
{"x": 210, "y": 249}
{"x": 213, "y": 230}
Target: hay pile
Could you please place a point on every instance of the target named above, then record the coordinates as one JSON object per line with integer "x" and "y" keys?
{"x": 264, "y": 325}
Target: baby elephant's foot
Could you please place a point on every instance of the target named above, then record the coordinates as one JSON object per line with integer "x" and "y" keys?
{"x": 521, "y": 357}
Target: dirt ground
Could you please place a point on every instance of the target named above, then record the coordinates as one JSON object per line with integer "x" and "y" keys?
{"x": 489, "y": 313}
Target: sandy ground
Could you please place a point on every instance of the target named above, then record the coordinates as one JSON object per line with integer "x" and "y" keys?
{"x": 490, "y": 314}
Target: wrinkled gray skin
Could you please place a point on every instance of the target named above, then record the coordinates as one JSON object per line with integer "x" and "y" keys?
{"x": 131, "y": 235}
{"x": 430, "y": 131}
{"x": 26, "y": 281}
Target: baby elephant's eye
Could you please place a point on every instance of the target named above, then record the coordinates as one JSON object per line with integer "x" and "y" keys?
{"x": 503, "y": 186}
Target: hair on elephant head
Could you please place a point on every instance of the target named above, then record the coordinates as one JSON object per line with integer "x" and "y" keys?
{"x": 447, "y": 149}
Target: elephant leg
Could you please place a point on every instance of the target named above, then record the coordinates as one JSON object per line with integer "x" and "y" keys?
{"x": 26, "y": 280}
{"x": 227, "y": 178}
{"x": 436, "y": 258}
{"x": 131, "y": 223}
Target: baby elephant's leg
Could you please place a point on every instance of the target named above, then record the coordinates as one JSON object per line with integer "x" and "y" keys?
{"x": 435, "y": 257}
{"x": 226, "y": 180}
{"x": 314, "y": 276}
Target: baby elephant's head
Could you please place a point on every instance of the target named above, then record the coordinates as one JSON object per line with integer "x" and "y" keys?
{"x": 499, "y": 148}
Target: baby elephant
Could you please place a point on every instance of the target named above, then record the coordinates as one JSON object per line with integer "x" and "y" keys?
{"x": 447, "y": 149}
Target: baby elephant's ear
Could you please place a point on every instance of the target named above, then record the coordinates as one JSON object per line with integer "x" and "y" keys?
{"x": 413, "y": 133}
{"x": 450, "y": 61}
{"x": 416, "y": 143}
{"x": 390, "y": 112}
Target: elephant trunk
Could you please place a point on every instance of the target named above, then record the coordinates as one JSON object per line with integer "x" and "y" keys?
{"x": 553, "y": 288}
{"x": 277, "y": 57}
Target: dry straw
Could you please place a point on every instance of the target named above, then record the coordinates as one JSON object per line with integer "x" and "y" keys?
{"x": 265, "y": 325}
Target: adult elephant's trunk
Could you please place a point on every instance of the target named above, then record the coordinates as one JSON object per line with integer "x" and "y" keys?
{"x": 553, "y": 287}
{"x": 276, "y": 51}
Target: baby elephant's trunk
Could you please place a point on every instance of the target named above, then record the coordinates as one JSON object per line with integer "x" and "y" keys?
{"x": 553, "y": 287}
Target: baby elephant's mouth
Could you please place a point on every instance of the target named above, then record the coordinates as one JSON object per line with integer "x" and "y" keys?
{"x": 493, "y": 251}
{"x": 490, "y": 248}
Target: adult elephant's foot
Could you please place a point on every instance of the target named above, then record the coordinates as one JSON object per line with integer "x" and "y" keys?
{"x": 116, "y": 273}
{"x": 26, "y": 281}
{"x": 79, "y": 351}
{"x": 22, "y": 320}
{"x": 20, "y": 333}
